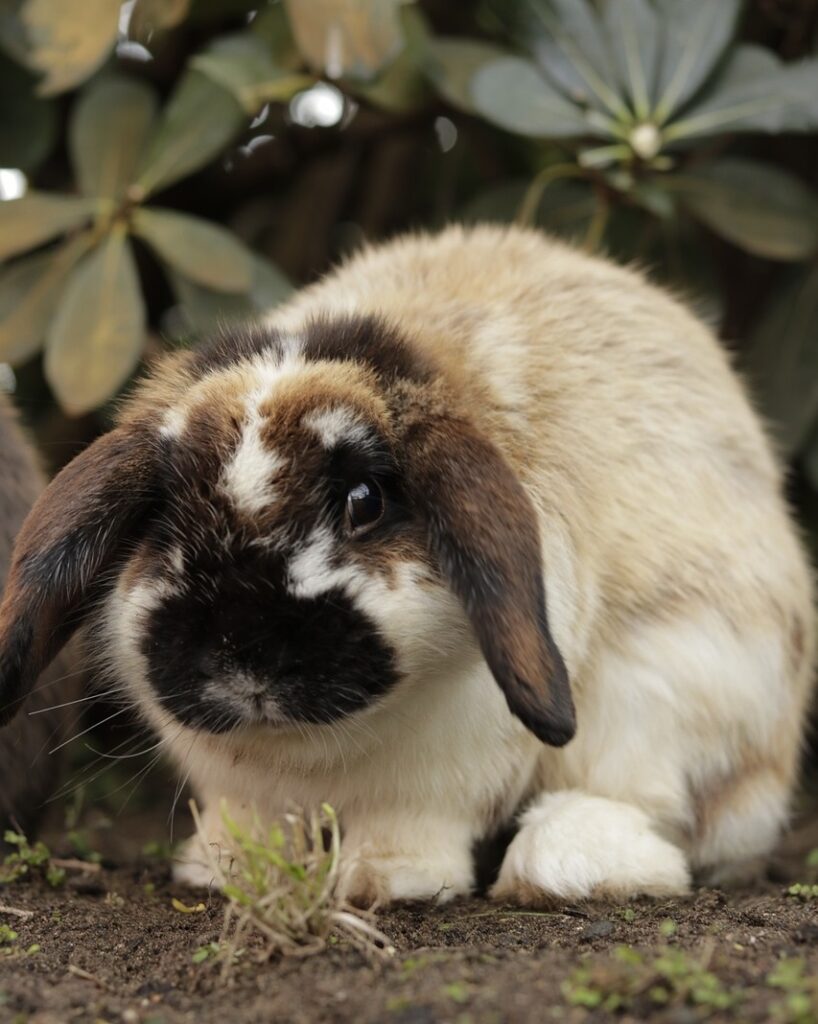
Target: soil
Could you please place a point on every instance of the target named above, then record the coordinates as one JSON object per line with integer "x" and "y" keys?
{"x": 112, "y": 947}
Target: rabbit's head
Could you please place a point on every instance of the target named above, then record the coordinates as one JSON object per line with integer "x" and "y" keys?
{"x": 283, "y": 529}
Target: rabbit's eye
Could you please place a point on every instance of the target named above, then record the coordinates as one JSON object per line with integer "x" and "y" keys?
{"x": 364, "y": 505}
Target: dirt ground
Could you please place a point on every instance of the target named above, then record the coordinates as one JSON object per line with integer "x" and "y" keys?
{"x": 110, "y": 946}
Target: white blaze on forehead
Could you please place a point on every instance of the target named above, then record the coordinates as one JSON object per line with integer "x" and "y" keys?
{"x": 248, "y": 476}
{"x": 312, "y": 572}
{"x": 336, "y": 425}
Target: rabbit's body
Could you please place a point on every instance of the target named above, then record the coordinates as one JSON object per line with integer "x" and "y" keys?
{"x": 27, "y": 772}
{"x": 677, "y": 593}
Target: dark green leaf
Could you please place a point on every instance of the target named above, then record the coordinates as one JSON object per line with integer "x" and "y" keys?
{"x": 568, "y": 41}
{"x": 67, "y": 42}
{"x": 754, "y": 93}
{"x": 96, "y": 337}
{"x": 29, "y": 291}
{"x": 242, "y": 64}
{"x": 204, "y": 309}
{"x": 782, "y": 359}
{"x": 38, "y": 217}
{"x": 697, "y": 32}
{"x": 346, "y": 38}
{"x": 760, "y": 208}
{"x": 511, "y": 93}
{"x": 205, "y": 252}
{"x": 29, "y": 123}
{"x": 198, "y": 122}
{"x": 635, "y": 40}
{"x": 452, "y": 62}
{"x": 107, "y": 133}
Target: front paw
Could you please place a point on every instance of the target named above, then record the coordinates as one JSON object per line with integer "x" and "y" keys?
{"x": 372, "y": 881}
{"x": 572, "y": 846}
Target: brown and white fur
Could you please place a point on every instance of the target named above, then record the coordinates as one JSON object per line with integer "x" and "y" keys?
{"x": 548, "y": 419}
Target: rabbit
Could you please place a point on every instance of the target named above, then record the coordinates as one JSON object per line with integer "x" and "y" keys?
{"x": 477, "y": 530}
{"x": 28, "y": 774}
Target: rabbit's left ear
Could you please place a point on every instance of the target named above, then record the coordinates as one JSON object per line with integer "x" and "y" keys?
{"x": 483, "y": 532}
{"x": 67, "y": 550}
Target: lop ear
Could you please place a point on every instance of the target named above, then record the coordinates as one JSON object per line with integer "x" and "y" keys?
{"x": 483, "y": 531}
{"x": 72, "y": 537}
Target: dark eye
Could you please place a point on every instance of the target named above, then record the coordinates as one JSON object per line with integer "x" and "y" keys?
{"x": 364, "y": 505}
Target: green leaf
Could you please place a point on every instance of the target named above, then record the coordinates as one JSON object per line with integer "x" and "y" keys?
{"x": 29, "y": 122}
{"x": 30, "y": 289}
{"x": 782, "y": 359}
{"x": 242, "y": 64}
{"x": 569, "y": 43}
{"x": 402, "y": 86}
{"x": 205, "y": 252}
{"x": 156, "y": 16}
{"x": 68, "y": 42}
{"x": 346, "y": 38}
{"x": 754, "y": 93}
{"x": 107, "y": 133}
{"x": 38, "y": 217}
{"x": 97, "y": 334}
{"x": 203, "y": 308}
{"x": 511, "y": 93}
{"x": 635, "y": 39}
{"x": 697, "y": 32}
{"x": 758, "y": 207}
{"x": 198, "y": 122}
{"x": 451, "y": 62}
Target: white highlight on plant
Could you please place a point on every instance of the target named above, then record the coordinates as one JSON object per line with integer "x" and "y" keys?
{"x": 321, "y": 106}
{"x": 13, "y": 183}
{"x": 645, "y": 140}
{"x": 446, "y": 131}
{"x": 336, "y": 425}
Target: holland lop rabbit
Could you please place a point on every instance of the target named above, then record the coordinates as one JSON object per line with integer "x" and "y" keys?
{"x": 27, "y": 772}
{"x": 476, "y": 527}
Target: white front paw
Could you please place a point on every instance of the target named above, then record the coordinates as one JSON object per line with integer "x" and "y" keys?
{"x": 193, "y": 864}
{"x": 572, "y": 846}
{"x": 368, "y": 881}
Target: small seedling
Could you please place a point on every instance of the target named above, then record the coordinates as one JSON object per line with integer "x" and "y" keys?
{"x": 630, "y": 978}
{"x": 27, "y": 861}
{"x": 281, "y": 884}
{"x": 800, "y": 1002}
{"x": 203, "y": 953}
{"x": 803, "y": 891}
{"x": 7, "y": 935}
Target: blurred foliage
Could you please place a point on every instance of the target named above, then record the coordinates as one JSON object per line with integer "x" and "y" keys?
{"x": 188, "y": 159}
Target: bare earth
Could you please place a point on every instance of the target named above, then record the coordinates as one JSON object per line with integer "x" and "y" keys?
{"x": 112, "y": 947}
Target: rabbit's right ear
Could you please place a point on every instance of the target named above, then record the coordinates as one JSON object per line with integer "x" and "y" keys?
{"x": 76, "y": 533}
{"x": 483, "y": 530}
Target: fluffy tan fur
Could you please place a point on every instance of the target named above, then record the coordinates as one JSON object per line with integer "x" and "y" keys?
{"x": 678, "y": 591}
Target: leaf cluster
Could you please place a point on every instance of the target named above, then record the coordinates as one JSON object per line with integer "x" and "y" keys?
{"x": 632, "y": 980}
{"x": 29, "y": 861}
{"x": 634, "y": 126}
